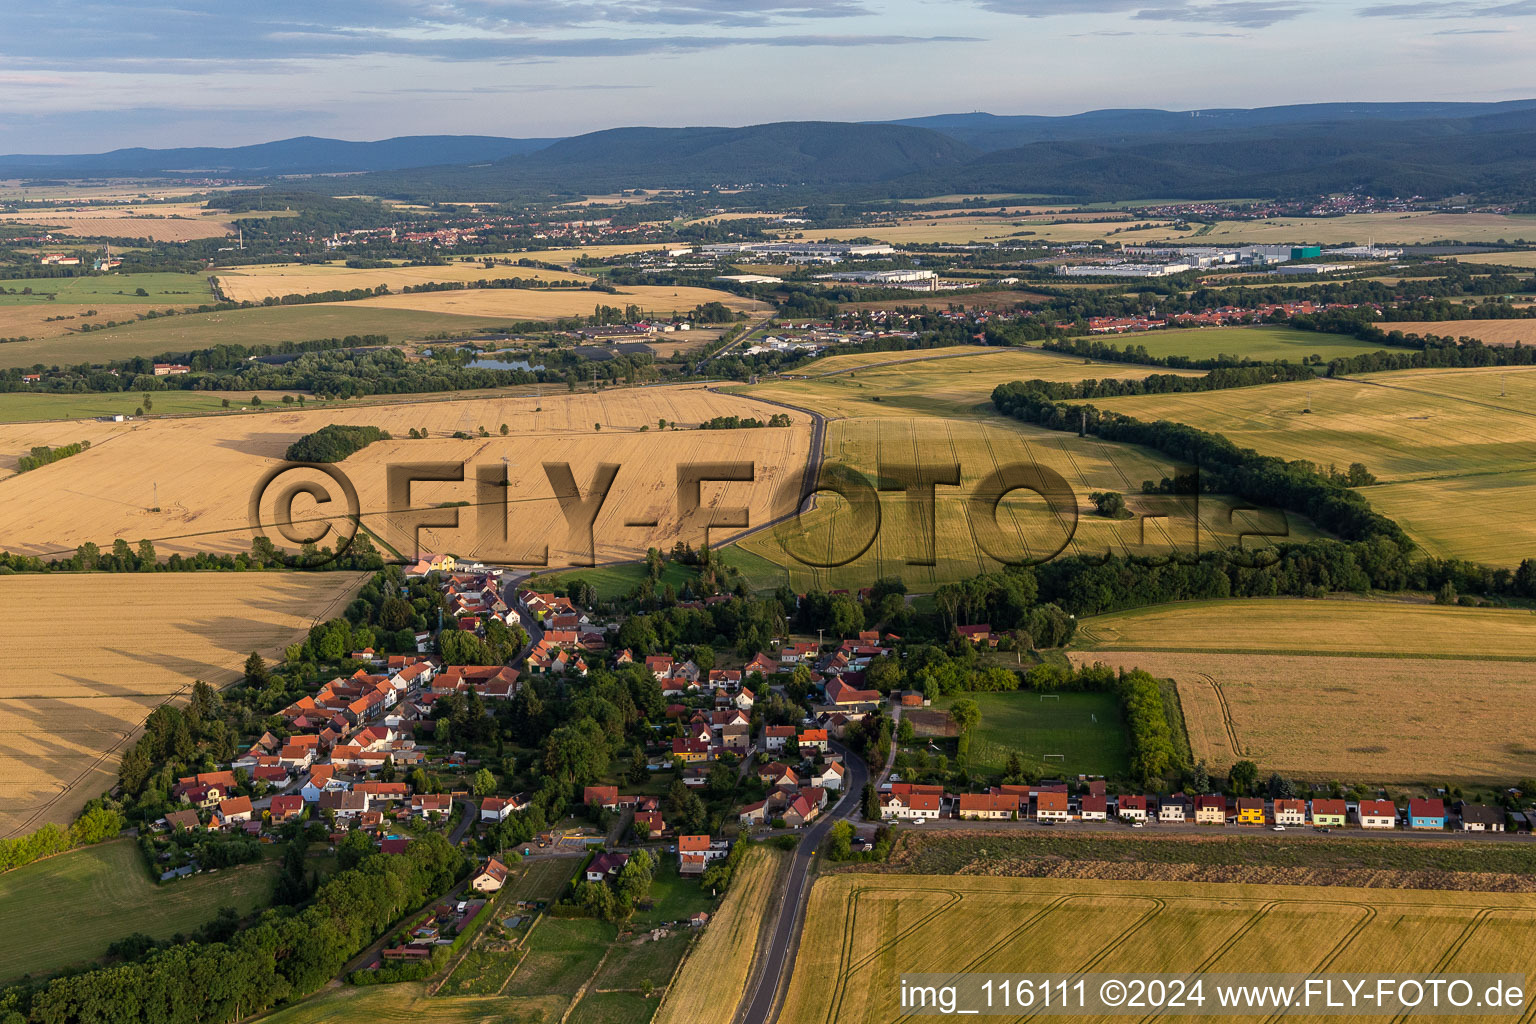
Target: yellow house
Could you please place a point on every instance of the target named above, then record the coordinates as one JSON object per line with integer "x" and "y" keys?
{"x": 1250, "y": 811}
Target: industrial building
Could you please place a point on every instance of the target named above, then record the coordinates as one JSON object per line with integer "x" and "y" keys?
{"x": 800, "y": 252}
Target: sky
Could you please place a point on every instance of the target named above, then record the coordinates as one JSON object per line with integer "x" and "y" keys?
{"x": 86, "y": 76}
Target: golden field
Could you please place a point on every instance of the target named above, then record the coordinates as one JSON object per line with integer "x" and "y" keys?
{"x": 206, "y": 469}
{"x": 914, "y": 384}
{"x": 541, "y": 304}
{"x": 253, "y": 284}
{"x": 1339, "y": 688}
{"x": 1029, "y": 527}
{"x": 164, "y": 222}
{"x": 42, "y": 320}
{"x": 869, "y": 930}
{"x": 1451, "y": 448}
{"x": 1338, "y": 626}
{"x": 71, "y": 697}
{"x": 1382, "y": 720}
{"x": 1489, "y": 332}
{"x": 719, "y": 965}
{"x": 1525, "y": 258}
{"x": 1028, "y": 230}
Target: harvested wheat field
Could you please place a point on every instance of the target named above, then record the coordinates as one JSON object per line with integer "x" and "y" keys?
{"x": 55, "y": 319}
{"x": 549, "y": 304}
{"x": 1326, "y": 718}
{"x": 1453, "y": 449}
{"x": 206, "y": 469}
{"x": 1523, "y": 258}
{"x": 872, "y": 929}
{"x": 957, "y": 384}
{"x": 1336, "y": 626}
{"x": 152, "y": 635}
{"x": 1489, "y": 332}
{"x": 253, "y": 284}
{"x": 1028, "y": 527}
{"x": 17, "y": 439}
{"x": 162, "y": 223}
{"x": 713, "y": 978}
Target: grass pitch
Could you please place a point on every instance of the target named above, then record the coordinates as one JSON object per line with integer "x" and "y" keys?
{"x": 1259, "y": 343}
{"x": 1085, "y": 728}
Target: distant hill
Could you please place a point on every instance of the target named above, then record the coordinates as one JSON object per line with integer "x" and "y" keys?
{"x": 990, "y": 132}
{"x": 304, "y": 155}
{"x": 1435, "y": 156}
{"x": 1430, "y": 149}
{"x": 789, "y": 152}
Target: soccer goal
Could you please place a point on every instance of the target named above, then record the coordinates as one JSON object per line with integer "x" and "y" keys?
{"x": 1050, "y": 696}
{"x": 1062, "y": 758}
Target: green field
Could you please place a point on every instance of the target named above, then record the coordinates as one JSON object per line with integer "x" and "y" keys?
{"x": 409, "y": 1004}
{"x": 632, "y": 964}
{"x": 673, "y": 897}
{"x": 1258, "y": 343}
{"x": 615, "y": 581}
{"x": 92, "y": 897}
{"x": 562, "y": 954}
{"x": 1451, "y": 448}
{"x": 1085, "y": 727}
{"x": 177, "y": 290}
{"x": 613, "y": 1008}
{"x": 264, "y": 326}
{"x": 21, "y": 407}
{"x": 542, "y": 879}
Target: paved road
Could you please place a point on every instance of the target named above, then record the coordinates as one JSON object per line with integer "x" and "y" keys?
{"x": 471, "y": 812}
{"x": 762, "y": 1004}
{"x": 754, "y": 329}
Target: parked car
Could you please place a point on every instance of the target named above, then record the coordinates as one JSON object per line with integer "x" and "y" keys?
{"x": 1277, "y": 828}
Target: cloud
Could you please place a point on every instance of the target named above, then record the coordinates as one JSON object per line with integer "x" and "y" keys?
{"x": 1232, "y": 12}
{"x": 1444, "y": 9}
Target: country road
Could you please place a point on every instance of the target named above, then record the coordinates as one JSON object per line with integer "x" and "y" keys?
{"x": 762, "y": 1004}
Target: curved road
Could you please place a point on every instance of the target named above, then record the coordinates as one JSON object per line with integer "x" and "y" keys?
{"x": 762, "y": 1004}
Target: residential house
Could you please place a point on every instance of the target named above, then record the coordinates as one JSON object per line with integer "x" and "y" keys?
{"x": 743, "y": 700}
{"x": 489, "y": 878}
{"x": 753, "y": 814}
{"x": 1053, "y": 807}
{"x": 981, "y": 634}
{"x": 1250, "y": 810}
{"x": 1329, "y": 813}
{"x": 1210, "y": 810}
{"x": 1093, "y": 808}
{"x": 910, "y": 806}
{"x": 649, "y": 823}
{"x": 986, "y": 806}
{"x": 1481, "y": 818}
{"x": 495, "y": 808}
{"x": 1426, "y": 814}
{"x": 801, "y": 811}
{"x": 606, "y": 797}
{"x": 830, "y": 777}
{"x": 815, "y": 739}
{"x": 232, "y": 811}
{"x": 777, "y": 736}
{"x": 424, "y": 804}
{"x": 606, "y": 866}
{"x": 288, "y": 807}
{"x": 1290, "y": 812}
{"x": 692, "y": 854}
{"x": 691, "y": 751}
{"x": 1172, "y": 810}
{"x": 1377, "y": 814}
{"x": 841, "y": 694}
{"x": 1131, "y": 808}
{"x": 761, "y": 664}
{"x": 179, "y": 820}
